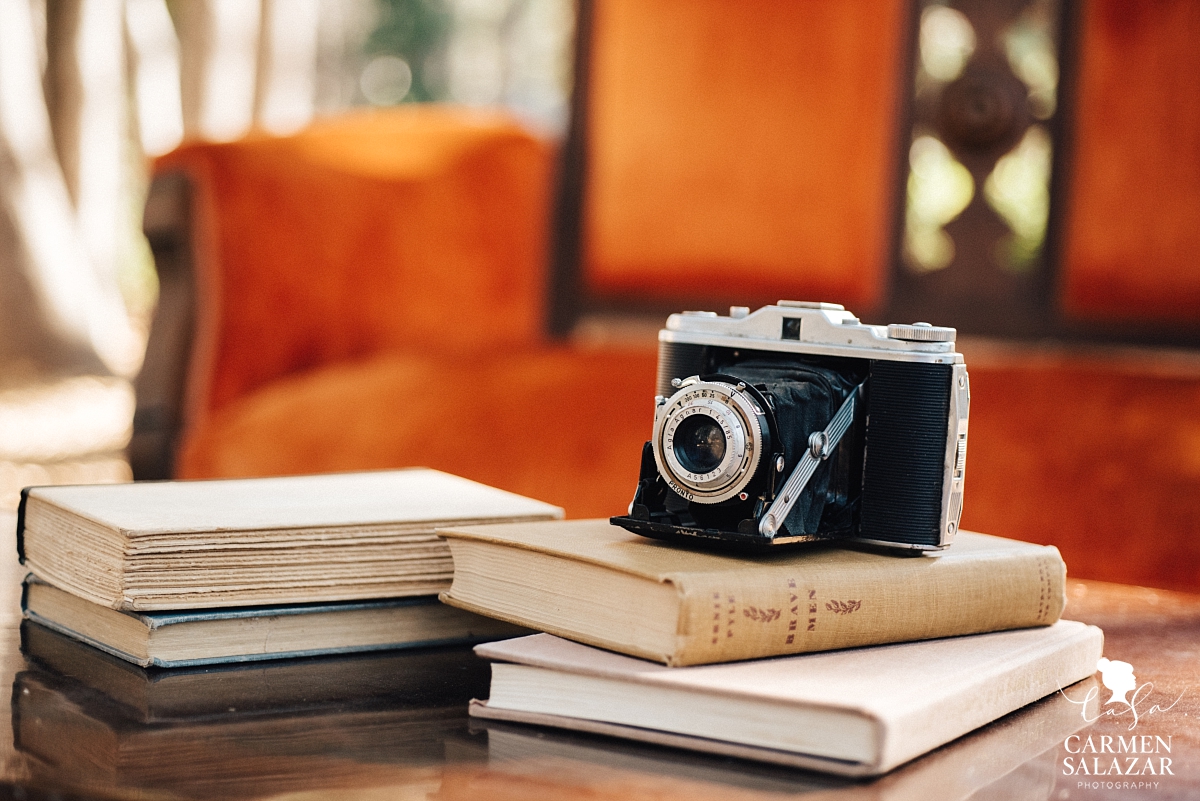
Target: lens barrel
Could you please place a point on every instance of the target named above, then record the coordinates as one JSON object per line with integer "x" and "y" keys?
{"x": 709, "y": 439}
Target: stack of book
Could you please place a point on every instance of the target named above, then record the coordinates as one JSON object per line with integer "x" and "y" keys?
{"x": 830, "y": 658}
{"x": 186, "y": 573}
{"x": 827, "y": 658}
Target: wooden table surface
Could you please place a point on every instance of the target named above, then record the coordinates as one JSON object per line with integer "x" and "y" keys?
{"x": 395, "y": 726}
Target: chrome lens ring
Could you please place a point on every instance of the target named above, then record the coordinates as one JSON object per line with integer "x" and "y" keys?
{"x": 735, "y": 414}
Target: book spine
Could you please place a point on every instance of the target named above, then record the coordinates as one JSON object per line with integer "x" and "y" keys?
{"x": 34, "y": 617}
{"x": 783, "y": 611}
{"x": 21, "y": 524}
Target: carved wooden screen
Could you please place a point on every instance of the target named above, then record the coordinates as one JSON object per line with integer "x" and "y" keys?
{"x": 1010, "y": 167}
{"x": 1053, "y": 184}
{"x": 972, "y": 245}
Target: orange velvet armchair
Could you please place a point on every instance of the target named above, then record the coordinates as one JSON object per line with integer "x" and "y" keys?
{"x": 371, "y": 294}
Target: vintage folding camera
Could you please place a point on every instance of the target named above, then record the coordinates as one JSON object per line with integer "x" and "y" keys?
{"x": 798, "y": 423}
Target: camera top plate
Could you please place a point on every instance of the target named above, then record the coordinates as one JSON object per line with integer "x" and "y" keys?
{"x": 813, "y": 328}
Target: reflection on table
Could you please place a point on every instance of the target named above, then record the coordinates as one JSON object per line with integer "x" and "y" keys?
{"x": 92, "y": 722}
{"x": 394, "y": 724}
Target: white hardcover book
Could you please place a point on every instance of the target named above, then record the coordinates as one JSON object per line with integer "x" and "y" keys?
{"x": 860, "y": 711}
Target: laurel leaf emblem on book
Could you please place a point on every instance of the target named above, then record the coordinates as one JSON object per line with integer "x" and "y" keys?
{"x": 761, "y": 615}
{"x": 843, "y": 607}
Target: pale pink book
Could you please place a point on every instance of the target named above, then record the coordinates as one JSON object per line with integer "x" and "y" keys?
{"x": 860, "y": 711}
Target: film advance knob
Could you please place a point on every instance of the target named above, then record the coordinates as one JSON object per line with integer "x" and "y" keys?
{"x": 921, "y": 332}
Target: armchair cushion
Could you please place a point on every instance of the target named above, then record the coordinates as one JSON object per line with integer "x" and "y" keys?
{"x": 562, "y": 425}
{"x": 420, "y": 227}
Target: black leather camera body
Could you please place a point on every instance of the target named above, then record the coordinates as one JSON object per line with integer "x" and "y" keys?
{"x": 798, "y": 423}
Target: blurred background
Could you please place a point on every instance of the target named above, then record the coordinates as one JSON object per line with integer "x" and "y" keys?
{"x": 94, "y": 91}
{"x": 249, "y": 238}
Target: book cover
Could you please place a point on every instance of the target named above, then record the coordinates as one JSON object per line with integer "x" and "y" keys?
{"x": 856, "y": 712}
{"x": 590, "y": 581}
{"x": 247, "y": 634}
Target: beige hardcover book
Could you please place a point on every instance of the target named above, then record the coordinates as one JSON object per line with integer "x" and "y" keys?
{"x": 861, "y": 711}
{"x": 177, "y": 545}
{"x": 593, "y": 582}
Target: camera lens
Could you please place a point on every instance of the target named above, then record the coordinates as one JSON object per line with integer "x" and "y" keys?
{"x": 708, "y": 439}
{"x": 699, "y": 444}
